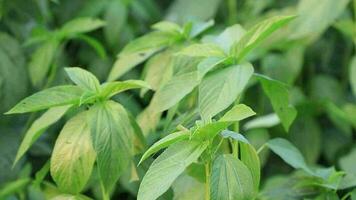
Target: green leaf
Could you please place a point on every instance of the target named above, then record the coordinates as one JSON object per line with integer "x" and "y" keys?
{"x": 128, "y": 61}
{"x": 166, "y": 26}
{"x": 207, "y": 64}
{"x": 278, "y": 94}
{"x": 237, "y": 113}
{"x": 115, "y": 17}
{"x": 81, "y": 25}
{"x": 220, "y": 89}
{"x": 38, "y": 127}
{"x": 70, "y": 197}
{"x": 41, "y": 61}
{"x": 202, "y": 50}
{"x": 257, "y": 34}
{"x": 353, "y": 75}
{"x": 248, "y": 156}
{"x": 83, "y": 78}
{"x": 94, "y": 43}
{"x": 151, "y": 40}
{"x": 111, "y": 135}
{"x": 73, "y": 155}
{"x": 173, "y": 91}
{"x": 289, "y": 153}
{"x": 52, "y": 97}
{"x": 231, "y": 179}
{"x": 167, "y": 167}
{"x": 165, "y": 142}
{"x": 112, "y": 88}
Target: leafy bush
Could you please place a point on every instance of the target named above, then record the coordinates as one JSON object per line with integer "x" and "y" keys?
{"x": 258, "y": 103}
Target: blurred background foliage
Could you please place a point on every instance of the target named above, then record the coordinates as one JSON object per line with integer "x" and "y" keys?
{"x": 314, "y": 55}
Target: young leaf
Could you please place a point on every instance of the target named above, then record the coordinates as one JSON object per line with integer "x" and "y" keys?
{"x": 166, "y": 26}
{"x": 257, "y": 34}
{"x": 353, "y": 75}
{"x": 167, "y": 167}
{"x": 220, "y": 89}
{"x": 278, "y": 94}
{"x": 265, "y": 121}
{"x": 73, "y": 155}
{"x": 112, "y": 134}
{"x": 128, "y": 61}
{"x": 83, "y": 78}
{"x": 165, "y": 142}
{"x": 112, "y": 88}
{"x": 289, "y": 153}
{"x": 237, "y": 113}
{"x": 52, "y": 97}
{"x": 41, "y": 61}
{"x": 173, "y": 91}
{"x": 202, "y": 50}
{"x": 231, "y": 179}
{"x": 81, "y": 25}
{"x": 38, "y": 127}
{"x": 210, "y": 130}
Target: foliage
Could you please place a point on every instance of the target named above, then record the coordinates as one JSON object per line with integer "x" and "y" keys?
{"x": 236, "y": 100}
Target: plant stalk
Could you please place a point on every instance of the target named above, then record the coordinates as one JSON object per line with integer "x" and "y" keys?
{"x": 207, "y": 180}
{"x": 232, "y": 5}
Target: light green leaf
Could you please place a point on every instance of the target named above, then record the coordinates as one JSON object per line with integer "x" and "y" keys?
{"x": 41, "y": 61}
{"x": 173, "y": 91}
{"x": 257, "y": 34}
{"x": 202, "y": 50}
{"x": 112, "y": 88}
{"x": 73, "y": 155}
{"x": 289, "y": 153}
{"x": 111, "y": 135}
{"x": 81, "y": 25}
{"x": 199, "y": 27}
{"x": 315, "y": 17}
{"x": 248, "y": 156}
{"x": 52, "y": 97}
{"x": 38, "y": 127}
{"x": 158, "y": 70}
{"x": 220, "y": 89}
{"x": 166, "y": 26}
{"x": 231, "y": 179}
{"x": 128, "y": 61}
{"x": 207, "y": 64}
{"x": 237, "y": 113}
{"x": 278, "y": 94}
{"x": 83, "y": 78}
{"x": 229, "y": 36}
{"x": 70, "y": 197}
{"x": 167, "y": 167}
{"x": 265, "y": 121}
{"x": 353, "y": 75}
{"x": 165, "y": 142}
{"x": 115, "y": 17}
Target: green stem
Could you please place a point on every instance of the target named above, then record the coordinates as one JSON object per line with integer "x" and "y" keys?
{"x": 235, "y": 148}
{"x": 232, "y": 5}
{"x": 207, "y": 181}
